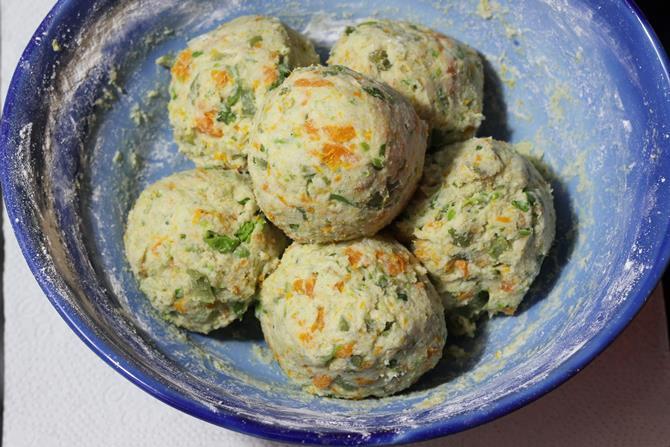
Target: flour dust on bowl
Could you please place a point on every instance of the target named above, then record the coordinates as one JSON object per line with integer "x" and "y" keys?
{"x": 583, "y": 88}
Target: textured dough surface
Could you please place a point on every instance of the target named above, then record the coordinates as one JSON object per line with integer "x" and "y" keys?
{"x": 335, "y": 155}
{"x": 442, "y": 77}
{"x": 221, "y": 77}
{"x": 481, "y": 223}
{"x": 199, "y": 247}
{"x": 352, "y": 319}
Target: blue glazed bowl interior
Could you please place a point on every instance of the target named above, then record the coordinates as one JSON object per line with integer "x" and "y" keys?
{"x": 579, "y": 86}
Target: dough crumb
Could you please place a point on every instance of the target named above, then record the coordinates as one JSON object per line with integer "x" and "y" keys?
{"x": 263, "y": 354}
{"x": 486, "y": 9}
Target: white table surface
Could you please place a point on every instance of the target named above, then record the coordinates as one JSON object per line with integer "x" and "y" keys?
{"x": 58, "y": 393}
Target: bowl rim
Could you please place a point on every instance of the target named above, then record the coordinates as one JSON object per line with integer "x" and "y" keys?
{"x": 60, "y": 13}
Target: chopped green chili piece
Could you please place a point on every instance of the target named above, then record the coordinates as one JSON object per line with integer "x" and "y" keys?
{"x": 523, "y": 232}
{"x": 523, "y": 206}
{"x": 481, "y": 198}
{"x": 378, "y": 163}
{"x": 451, "y": 213}
{"x": 221, "y": 242}
{"x": 254, "y": 40}
{"x": 244, "y": 232}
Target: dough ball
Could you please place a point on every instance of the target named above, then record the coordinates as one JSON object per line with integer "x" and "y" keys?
{"x": 442, "y": 78}
{"x": 352, "y": 319}
{"x": 335, "y": 155}
{"x": 482, "y": 223}
{"x": 219, "y": 80}
{"x": 199, "y": 247}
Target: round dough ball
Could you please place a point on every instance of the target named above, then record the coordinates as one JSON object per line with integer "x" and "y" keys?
{"x": 482, "y": 223}
{"x": 442, "y": 78}
{"x": 199, "y": 246}
{"x": 335, "y": 155}
{"x": 219, "y": 80}
{"x": 352, "y": 319}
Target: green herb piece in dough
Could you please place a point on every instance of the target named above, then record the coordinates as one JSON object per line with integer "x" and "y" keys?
{"x": 498, "y": 246}
{"x": 380, "y": 58}
{"x": 460, "y": 239}
{"x": 340, "y": 198}
{"x": 374, "y": 91}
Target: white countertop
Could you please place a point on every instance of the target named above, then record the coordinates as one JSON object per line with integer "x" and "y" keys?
{"x": 58, "y": 393}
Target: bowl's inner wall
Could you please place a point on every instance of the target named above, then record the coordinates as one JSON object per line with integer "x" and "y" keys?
{"x": 560, "y": 82}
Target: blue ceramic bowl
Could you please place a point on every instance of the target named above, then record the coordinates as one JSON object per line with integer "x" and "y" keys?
{"x": 582, "y": 85}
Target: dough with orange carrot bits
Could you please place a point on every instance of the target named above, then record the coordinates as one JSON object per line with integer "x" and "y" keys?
{"x": 482, "y": 222}
{"x": 199, "y": 247}
{"x": 442, "y": 77}
{"x": 219, "y": 80}
{"x": 352, "y": 319}
{"x": 335, "y": 155}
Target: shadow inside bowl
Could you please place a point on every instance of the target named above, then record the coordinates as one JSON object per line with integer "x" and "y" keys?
{"x": 567, "y": 233}
{"x": 460, "y": 355}
{"x": 248, "y": 328}
{"x": 495, "y": 123}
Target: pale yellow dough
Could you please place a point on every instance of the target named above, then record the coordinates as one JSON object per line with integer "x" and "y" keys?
{"x": 335, "y": 155}
{"x": 199, "y": 247}
{"x": 219, "y": 80}
{"x": 442, "y": 77}
{"x": 482, "y": 222}
{"x": 352, "y": 319}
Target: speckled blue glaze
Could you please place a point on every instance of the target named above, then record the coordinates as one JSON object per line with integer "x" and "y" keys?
{"x": 584, "y": 83}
